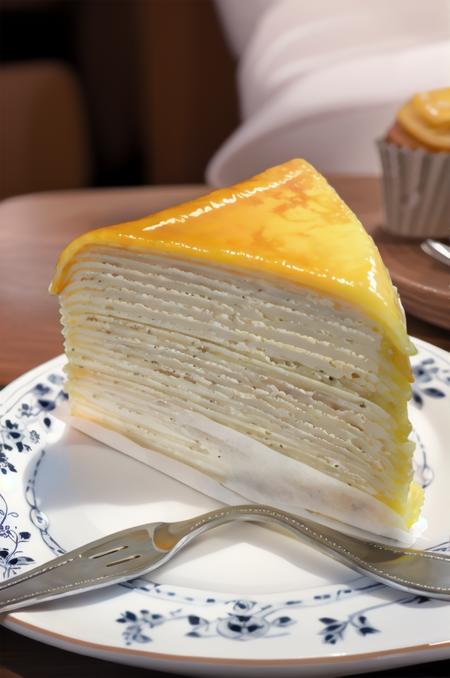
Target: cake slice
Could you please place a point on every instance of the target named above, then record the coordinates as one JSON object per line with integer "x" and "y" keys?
{"x": 251, "y": 344}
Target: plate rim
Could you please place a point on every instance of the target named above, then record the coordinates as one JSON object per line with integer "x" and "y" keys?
{"x": 76, "y": 645}
{"x": 202, "y": 659}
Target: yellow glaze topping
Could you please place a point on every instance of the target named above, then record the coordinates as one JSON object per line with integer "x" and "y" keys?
{"x": 426, "y": 117}
{"x": 287, "y": 222}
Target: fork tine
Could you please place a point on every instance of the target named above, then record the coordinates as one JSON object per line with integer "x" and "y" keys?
{"x": 121, "y": 556}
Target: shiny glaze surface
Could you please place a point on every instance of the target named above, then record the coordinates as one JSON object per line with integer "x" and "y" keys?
{"x": 286, "y": 222}
{"x": 426, "y": 117}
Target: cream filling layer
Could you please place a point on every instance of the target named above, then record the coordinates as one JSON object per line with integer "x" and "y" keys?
{"x": 291, "y": 486}
{"x": 284, "y": 367}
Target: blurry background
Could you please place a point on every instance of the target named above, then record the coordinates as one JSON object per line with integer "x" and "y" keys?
{"x": 121, "y": 92}
{"x": 111, "y": 92}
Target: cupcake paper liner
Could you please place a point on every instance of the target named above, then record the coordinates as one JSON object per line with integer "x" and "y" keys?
{"x": 416, "y": 190}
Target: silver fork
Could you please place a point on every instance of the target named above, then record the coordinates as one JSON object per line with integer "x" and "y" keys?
{"x": 139, "y": 550}
{"x": 438, "y": 250}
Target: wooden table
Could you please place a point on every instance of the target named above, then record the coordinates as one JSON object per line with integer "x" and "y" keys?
{"x": 33, "y": 230}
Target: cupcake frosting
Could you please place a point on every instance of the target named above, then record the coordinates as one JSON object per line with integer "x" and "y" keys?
{"x": 426, "y": 118}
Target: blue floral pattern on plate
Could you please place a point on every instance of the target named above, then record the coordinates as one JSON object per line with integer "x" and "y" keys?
{"x": 246, "y": 621}
{"x": 430, "y": 380}
{"x": 250, "y": 620}
{"x": 12, "y": 556}
{"x": 23, "y": 424}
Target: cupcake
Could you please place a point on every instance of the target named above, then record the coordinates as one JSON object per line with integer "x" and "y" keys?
{"x": 415, "y": 157}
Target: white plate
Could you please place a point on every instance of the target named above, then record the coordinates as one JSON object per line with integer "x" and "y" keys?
{"x": 240, "y": 597}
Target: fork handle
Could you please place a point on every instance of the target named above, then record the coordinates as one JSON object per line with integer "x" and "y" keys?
{"x": 418, "y": 572}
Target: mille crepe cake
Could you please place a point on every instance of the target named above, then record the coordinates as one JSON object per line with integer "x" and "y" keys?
{"x": 249, "y": 343}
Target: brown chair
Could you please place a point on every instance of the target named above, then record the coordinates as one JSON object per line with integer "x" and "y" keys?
{"x": 149, "y": 95}
{"x": 43, "y": 129}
